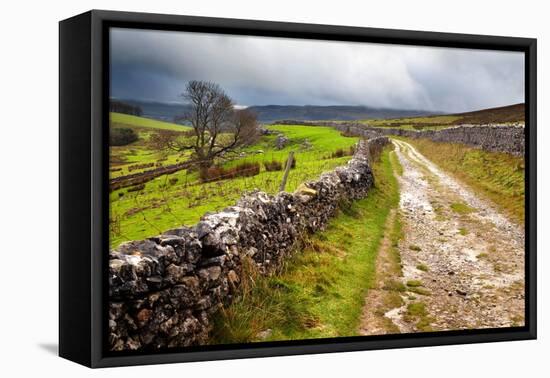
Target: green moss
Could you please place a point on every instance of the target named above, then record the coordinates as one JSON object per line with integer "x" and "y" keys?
{"x": 414, "y": 247}
{"x": 394, "y": 285}
{"x": 393, "y": 301}
{"x": 418, "y": 313}
{"x": 422, "y": 267}
{"x": 461, "y": 208}
{"x": 414, "y": 283}
{"x": 416, "y": 309}
{"x": 424, "y": 324}
{"x": 419, "y": 290}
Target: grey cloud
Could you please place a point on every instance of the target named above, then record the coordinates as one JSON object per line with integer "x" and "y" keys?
{"x": 155, "y": 65}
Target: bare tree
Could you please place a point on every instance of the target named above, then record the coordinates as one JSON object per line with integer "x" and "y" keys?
{"x": 218, "y": 129}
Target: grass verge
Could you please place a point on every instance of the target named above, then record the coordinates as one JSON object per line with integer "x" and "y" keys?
{"x": 320, "y": 291}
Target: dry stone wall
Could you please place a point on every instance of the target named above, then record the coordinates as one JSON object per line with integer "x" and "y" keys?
{"x": 493, "y": 138}
{"x": 164, "y": 290}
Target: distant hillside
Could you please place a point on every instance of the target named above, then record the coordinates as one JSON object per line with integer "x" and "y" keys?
{"x": 158, "y": 110}
{"x": 124, "y": 108}
{"x": 270, "y": 113}
{"x": 503, "y": 114}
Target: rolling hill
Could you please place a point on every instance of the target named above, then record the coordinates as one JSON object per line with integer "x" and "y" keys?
{"x": 503, "y": 114}
{"x": 510, "y": 114}
{"x": 119, "y": 119}
{"x": 270, "y": 113}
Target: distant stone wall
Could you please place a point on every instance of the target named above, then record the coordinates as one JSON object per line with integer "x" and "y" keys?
{"x": 164, "y": 290}
{"x": 493, "y": 138}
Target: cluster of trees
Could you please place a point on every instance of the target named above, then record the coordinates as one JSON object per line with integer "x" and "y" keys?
{"x": 122, "y": 107}
{"x": 218, "y": 129}
{"x": 121, "y": 136}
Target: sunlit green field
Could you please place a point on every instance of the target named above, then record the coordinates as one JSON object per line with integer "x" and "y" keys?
{"x": 181, "y": 199}
{"x": 133, "y": 121}
{"x": 125, "y": 160}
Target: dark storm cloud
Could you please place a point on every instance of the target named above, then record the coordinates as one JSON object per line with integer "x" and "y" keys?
{"x": 154, "y": 65}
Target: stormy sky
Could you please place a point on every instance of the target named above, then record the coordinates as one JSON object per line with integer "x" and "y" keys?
{"x": 155, "y": 65}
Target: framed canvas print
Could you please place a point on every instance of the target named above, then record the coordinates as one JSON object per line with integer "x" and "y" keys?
{"x": 234, "y": 188}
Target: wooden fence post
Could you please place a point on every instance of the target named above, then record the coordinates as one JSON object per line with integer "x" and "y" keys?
{"x": 287, "y": 170}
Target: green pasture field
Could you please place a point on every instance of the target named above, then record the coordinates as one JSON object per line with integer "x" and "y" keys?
{"x": 122, "y": 158}
{"x": 126, "y": 120}
{"x": 178, "y": 199}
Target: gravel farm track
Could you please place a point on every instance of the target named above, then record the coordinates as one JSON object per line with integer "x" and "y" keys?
{"x": 462, "y": 262}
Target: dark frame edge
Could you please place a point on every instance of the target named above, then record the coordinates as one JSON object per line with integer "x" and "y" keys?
{"x": 99, "y": 209}
{"x": 277, "y": 351}
{"x": 531, "y": 181}
{"x": 317, "y": 31}
{"x": 75, "y": 335}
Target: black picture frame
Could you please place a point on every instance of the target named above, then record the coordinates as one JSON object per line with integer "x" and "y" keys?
{"x": 83, "y": 196}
